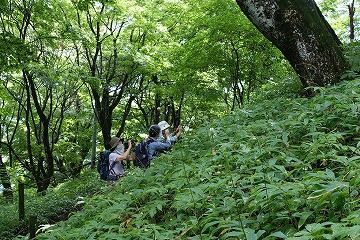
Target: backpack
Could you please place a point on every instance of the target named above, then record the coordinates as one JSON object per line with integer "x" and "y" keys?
{"x": 103, "y": 165}
{"x": 141, "y": 154}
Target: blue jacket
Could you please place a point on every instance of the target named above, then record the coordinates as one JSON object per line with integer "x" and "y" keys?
{"x": 155, "y": 147}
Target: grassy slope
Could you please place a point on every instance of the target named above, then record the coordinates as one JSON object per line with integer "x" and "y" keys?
{"x": 286, "y": 168}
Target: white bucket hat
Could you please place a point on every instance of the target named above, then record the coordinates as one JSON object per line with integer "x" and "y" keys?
{"x": 163, "y": 125}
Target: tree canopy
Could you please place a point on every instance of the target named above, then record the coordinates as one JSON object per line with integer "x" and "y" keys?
{"x": 66, "y": 65}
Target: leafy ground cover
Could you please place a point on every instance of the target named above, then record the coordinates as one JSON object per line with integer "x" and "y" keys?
{"x": 282, "y": 169}
{"x": 58, "y": 204}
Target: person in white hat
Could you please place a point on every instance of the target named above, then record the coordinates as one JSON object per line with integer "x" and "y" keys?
{"x": 164, "y": 126}
{"x": 154, "y": 146}
{"x": 117, "y": 156}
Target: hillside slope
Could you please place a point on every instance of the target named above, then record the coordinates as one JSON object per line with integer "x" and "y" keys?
{"x": 286, "y": 168}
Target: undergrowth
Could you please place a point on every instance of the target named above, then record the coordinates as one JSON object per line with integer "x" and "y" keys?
{"x": 280, "y": 169}
{"x": 58, "y": 204}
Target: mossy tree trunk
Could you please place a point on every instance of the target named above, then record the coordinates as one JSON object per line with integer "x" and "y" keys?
{"x": 302, "y": 34}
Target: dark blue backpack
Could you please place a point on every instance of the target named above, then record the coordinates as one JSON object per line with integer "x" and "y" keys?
{"x": 103, "y": 165}
{"x": 141, "y": 154}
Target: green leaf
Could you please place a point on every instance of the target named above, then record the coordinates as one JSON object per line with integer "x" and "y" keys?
{"x": 303, "y": 217}
{"x": 327, "y": 189}
{"x": 238, "y": 233}
{"x": 285, "y": 138}
{"x": 209, "y": 225}
{"x": 152, "y": 211}
{"x": 278, "y": 234}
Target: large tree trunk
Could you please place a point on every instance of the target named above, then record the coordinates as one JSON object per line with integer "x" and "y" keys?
{"x": 302, "y": 34}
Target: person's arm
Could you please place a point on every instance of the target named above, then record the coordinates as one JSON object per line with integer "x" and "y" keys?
{"x": 175, "y": 135}
{"x": 162, "y": 145}
{"x": 166, "y": 134}
{"x": 159, "y": 145}
{"x": 131, "y": 157}
{"x": 178, "y": 131}
{"x": 126, "y": 154}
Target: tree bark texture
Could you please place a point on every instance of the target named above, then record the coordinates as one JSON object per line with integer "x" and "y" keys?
{"x": 302, "y": 34}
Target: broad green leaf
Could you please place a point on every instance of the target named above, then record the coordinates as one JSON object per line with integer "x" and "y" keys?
{"x": 326, "y": 189}
{"x": 303, "y": 217}
{"x": 278, "y": 235}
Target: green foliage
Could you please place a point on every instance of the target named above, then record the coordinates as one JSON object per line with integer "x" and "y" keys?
{"x": 288, "y": 87}
{"x": 351, "y": 50}
{"x": 336, "y": 13}
{"x": 282, "y": 168}
{"x": 58, "y": 204}
{"x": 225, "y": 61}
{"x": 285, "y": 168}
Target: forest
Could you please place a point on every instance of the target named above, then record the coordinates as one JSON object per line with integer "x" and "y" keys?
{"x": 267, "y": 92}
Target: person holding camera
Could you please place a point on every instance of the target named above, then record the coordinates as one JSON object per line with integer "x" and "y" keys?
{"x": 155, "y": 144}
{"x": 164, "y": 126}
{"x": 116, "y": 157}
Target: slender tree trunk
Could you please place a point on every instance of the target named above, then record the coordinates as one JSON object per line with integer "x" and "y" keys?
{"x": 93, "y": 147}
{"x": 302, "y": 34}
{"x": 177, "y": 115}
{"x": 103, "y": 65}
{"x": 157, "y": 113}
{"x": 351, "y": 20}
{"x": 43, "y": 168}
{"x": 5, "y": 179}
{"x": 125, "y": 115}
{"x": 105, "y": 122}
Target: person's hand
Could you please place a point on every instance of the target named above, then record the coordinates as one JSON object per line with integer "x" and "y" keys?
{"x": 166, "y": 134}
{"x": 179, "y": 128}
{"x": 178, "y": 131}
{"x": 130, "y": 144}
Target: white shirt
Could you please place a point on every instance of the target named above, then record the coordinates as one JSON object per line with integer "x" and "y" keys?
{"x": 118, "y": 168}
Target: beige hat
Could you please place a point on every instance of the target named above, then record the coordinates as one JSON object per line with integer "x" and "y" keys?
{"x": 114, "y": 142}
